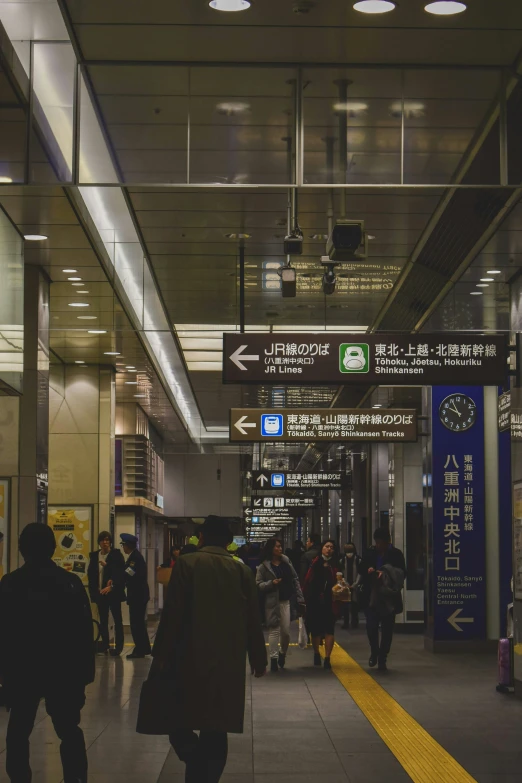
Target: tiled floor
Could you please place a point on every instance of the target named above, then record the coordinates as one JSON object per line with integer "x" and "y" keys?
{"x": 301, "y": 725}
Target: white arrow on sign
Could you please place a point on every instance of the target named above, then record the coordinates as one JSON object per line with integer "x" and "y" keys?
{"x": 242, "y": 423}
{"x": 454, "y": 619}
{"x": 238, "y": 357}
{"x": 257, "y": 501}
{"x": 262, "y": 479}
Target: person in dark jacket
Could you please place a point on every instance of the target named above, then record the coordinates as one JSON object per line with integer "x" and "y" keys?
{"x": 380, "y": 613}
{"x": 138, "y": 595}
{"x": 321, "y": 610}
{"x": 313, "y": 548}
{"x": 106, "y": 589}
{"x": 46, "y": 650}
{"x": 209, "y": 624}
{"x": 349, "y": 565}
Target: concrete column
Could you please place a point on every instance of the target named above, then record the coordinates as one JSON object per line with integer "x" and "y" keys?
{"x": 492, "y": 511}
{"x": 81, "y": 440}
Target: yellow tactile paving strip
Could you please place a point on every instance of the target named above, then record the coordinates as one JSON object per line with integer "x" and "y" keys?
{"x": 422, "y": 758}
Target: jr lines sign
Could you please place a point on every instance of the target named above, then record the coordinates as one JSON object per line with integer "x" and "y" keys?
{"x": 289, "y": 425}
{"x": 399, "y": 359}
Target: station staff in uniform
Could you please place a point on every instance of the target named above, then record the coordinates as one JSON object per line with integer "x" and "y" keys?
{"x": 138, "y": 595}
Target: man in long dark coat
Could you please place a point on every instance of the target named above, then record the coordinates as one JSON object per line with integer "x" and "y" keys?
{"x": 209, "y": 623}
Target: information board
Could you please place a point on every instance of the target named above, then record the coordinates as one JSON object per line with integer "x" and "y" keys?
{"x": 290, "y": 425}
{"x": 268, "y": 479}
{"x": 504, "y": 412}
{"x": 459, "y": 539}
{"x": 72, "y": 530}
{"x": 355, "y": 359}
{"x": 269, "y": 502}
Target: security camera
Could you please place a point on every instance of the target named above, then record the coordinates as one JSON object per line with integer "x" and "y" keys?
{"x": 347, "y": 241}
{"x": 329, "y": 281}
{"x": 293, "y": 244}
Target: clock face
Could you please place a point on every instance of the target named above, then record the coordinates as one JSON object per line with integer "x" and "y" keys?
{"x": 458, "y": 412}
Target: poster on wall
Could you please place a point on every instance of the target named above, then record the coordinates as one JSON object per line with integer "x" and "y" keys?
{"x": 72, "y": 530}
{"x": 4, "y": 525}
{"x": 517, "y": 539}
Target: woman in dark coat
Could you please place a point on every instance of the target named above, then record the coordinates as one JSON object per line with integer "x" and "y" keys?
{"x": 321, "y": 610}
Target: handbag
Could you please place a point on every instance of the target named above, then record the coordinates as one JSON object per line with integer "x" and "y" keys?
{"x": 303, "y": 636}
{"x": 159, "y": 699}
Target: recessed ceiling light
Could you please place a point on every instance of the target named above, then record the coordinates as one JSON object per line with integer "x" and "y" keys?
{"x": 140, "y": 395}
{"x": 35, "y": 237}
{"x": 482, "y": 285}
{"x": 87, "y": 317}
{"x": 5, "y": 180}
{"x": 70, "y": 279}
{"x": 132, "y": 371}
{"x": 494, "y": 272}
{"x": 445, "y": 7}
{"x": 84, "y": 292}
{"x": 131, "y": 383}
{"x": 79, "y": 362}
{"x": 111, "y": 353}
{"x": 231, "y": 108}
{"x": 370, "y": 236}
{"x": 229, "y": 5}
{"x": 487, "y": 279}
{"x": 130, "y": 367}
{"x": 374, "y": 6}
{"x": 78, "y": 304}
{"x": 78, "y": 284}
{"x": 377, "y": 406}
{"x": 69, "y": 271}
{"x": 97, "y": 331}
{"x": 475, "y": 293}
{"x": 350, "y": 107}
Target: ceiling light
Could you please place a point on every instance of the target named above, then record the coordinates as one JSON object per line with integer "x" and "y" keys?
{"x": 140, "y": 395}
{"x": 78, "y": 304}
{"x": 377, "y": 406}
{"x": 494, "y": 272}
{"x": 131, "y": 383}
{"x": 69, "y": 271}
{"x": 132, "y": 371}
{"x": 351, "y": 107}
{"x": 97, "y": 331}
{"x": 374, "y": 6}
{"x": 130, "y": 367}
{"x": 70, "y": 279}
{"x": 231, "y": 108}
{"x": 87, "y": 317}
{"x": 482, "y": 285}
{"x": 487, "y": 279}
{"x": 84, "y": 292}
{"x": 79, "y": 362}
{"x": 78, "y": 284}
{"x": 5, "y": 180}
{"x": 476, "y": 293}
{"x": 35, "y": 237}
{"x": 229, "y": 5}
{"x": 111, "y": 353}
{"x": 445, "y": 7}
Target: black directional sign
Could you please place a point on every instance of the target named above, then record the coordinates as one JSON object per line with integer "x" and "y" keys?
{"x": 269, "y": 479}
{"x": 398, "y": 359}
{"x": 275, "y": 503}
{"x": 294, "y": 425}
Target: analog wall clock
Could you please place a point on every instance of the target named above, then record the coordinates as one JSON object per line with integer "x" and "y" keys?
{"x": 458, "y": 412}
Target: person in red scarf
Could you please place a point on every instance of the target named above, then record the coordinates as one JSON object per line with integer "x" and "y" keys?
{"x": 321, "y": 610}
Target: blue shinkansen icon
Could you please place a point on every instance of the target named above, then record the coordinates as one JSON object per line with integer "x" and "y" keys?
{"x": 278, "y": 479}
{"x": 272, "y": 425}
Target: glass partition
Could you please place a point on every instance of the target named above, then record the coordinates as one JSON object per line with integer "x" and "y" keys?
{"x": 11, "y": 306}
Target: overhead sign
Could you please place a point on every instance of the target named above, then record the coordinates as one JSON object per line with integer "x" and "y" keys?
{"x": 459, "y": 538}
{"x": 268, "y": 502}
{"x": 267, "y": 479}
{"x": 504, "y": 411}
{"x": 399, "y": 359}
{"x": 290, "y": 425}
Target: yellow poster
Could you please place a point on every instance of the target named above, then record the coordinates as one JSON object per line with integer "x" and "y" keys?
{"x": 4, "y": 500}
{"x": 72, "y": 531}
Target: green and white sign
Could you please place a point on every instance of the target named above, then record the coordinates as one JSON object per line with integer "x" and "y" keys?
{"x": 354, "y": 357}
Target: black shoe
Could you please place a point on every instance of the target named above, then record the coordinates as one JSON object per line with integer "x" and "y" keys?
{"x": 282, "y": 660}
{"x": 135, "y": 655}
{"x": 102, "y": 652}
{"x": 327, "y": 664}
{"x": 273, "y": 665}
{"x": 317, "y": 659}
{"x": 115, "y": 653}
{"x": 382, "y": 665}
{"x": 373, "y": 660}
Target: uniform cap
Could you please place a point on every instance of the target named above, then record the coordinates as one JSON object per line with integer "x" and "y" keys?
{"x": 128, "y": 538}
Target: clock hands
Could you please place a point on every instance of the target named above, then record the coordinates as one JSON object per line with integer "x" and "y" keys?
{"x": 455, "y": 409}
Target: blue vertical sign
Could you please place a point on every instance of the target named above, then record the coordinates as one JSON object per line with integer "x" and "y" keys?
{"x": 459, "y": 530}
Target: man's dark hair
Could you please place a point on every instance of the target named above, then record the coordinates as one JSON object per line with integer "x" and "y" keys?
{"x": 268, "y": 548}
{"x": 37, "y": 542}
{"x": 216, "y": 531}
{"x": 315, "y": 538}
{"x": 105, "y": 534}
{"x": 382, "y": 534}
{"x": 188, "y": 549}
